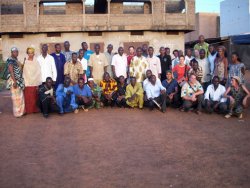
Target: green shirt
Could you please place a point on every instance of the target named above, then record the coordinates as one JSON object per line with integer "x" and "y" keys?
{"x": 205, "y": 46}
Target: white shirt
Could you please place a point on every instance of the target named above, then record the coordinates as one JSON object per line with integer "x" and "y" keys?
{"x": 204, "y": 64}
{"x": 154, "y": 91}
{"x": 120, "y": 64}
{"x": 84, "y": 63}
{"x": 215, "y": 95}
{"x": 146, "y": 82}
{"x": 154, "y": 65}
{"x": 188, "y": 59}
{"x": 48, "y": 67}
{"x": 175, "y": 61}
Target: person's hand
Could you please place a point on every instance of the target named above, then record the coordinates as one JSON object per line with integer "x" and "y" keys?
{"x": 163, "y": 91}
{"x": 15, "y": 85}
{"x": 69, "y": 92}
{"x": 193, "y": 98}
{"x": 171, "y": 96}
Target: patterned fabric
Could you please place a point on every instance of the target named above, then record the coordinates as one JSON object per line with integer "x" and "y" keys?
{"x": 219, "y": 68}
{"x": 188, "y": 91}
{"x": 238, "y": 95}
{"x": 18, "y": 101}
{"x": 108, "y": 87}
{"x": 68, "y": 55}
{"x": 96, "y": 93}
{"x": 138, "y": 68}
{"x": 198, "y": 73}
{"x": 138, "y": 100}
{"x": 17, "y": 74}
{"x": 235, "y": 70}
{"x": 73, "y": 70}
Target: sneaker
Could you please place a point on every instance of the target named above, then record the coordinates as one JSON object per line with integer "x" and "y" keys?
{"x": 228, "y": 115}
{"x": 76, "y": 111}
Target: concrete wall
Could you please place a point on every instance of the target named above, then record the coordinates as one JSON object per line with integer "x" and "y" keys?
{"x": 235, "y": 17}
{"x": 155, "y": 39}
{"x": 206, "y": 24}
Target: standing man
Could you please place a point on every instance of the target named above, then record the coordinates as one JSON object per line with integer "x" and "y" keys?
{"x": 145, "y": 50}
{"x": 73, "y": 69}
{"x": 60, "y": 60}
{"x": 154, "y": 63}
{"x": 188, "y": 56}
{"x": 211, "y": 57}
{"x": 67, "y": 52}
{"x": 47, "y": 64}
{"x": 119, "y": 64}
{"x": 138, "y": 66}
{"x": 165, "y": 62}
{"x": 98, "y": 64}
{"x": 87, "y": 54}
{"x": 109, "y": 54}
{"x": 202, "y": 45}
{"x": 176, "y": 59}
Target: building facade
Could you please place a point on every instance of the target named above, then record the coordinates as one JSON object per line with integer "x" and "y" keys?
{"x": 119, "y": 22}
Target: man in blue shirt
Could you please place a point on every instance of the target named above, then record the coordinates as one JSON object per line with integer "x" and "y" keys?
{"x": 171, "y": 86}
{"x": 83, "y": 94}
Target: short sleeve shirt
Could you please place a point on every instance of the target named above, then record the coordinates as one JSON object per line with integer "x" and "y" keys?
{"x": 188, "y": 91}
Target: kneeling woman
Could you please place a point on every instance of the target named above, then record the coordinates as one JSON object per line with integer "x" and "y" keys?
{"x": 237, "y": 95}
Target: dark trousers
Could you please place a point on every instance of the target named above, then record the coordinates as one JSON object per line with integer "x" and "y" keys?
{"x": 107, "y": 102}
{"x": 121, "y": 103}
{"x": 175, "y": 102}
{"x": 81, "y": 102}
{"x": 47, "y": 106}
{"x": 187, "y": 104}
{"x": 160, "y": 100}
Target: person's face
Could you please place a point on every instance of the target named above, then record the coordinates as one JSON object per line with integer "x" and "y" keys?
{"x": 176, "y": 54}
{"x": 181, "y": 52}
{"x": 97, "y": 49}
{"x": 234, "y": 58}
{"x": 74, "y": 58}
{"x": 201, "y": 39}
{"x": 106, "y": 77}
{"x": 30, "y": 54}
{"x": 150, "y": 51}
{"x": 196, "y": 53}
{"x": 144, "y": 48}
{"x": 202, "y": 54}
{"x": 167, "y": 51}
{"x": 131, "y": 51}
{"x": 195, "y": 66}
{"x": 66, "y": 45}
{"x": 211, "y": 49}
{"x": 67, "y": 82}
{"x": 110, "y": 48}
{"x": 189, "y": 53}
{"x": 216, "y": 82}
{"x": 85, "y": 46}
{"x": 120, "y": 51}
{"x": 58, "y": 48}
{"x": 139, "y": 52}
{"x": 14, "y": 54}
{"x": 182, "y": 59}
{"x": 234, "y": 82}
{"x": 49, "y": 83}
{"x": 81, "y": 83}
{"x": 81, "y": 54}
{"x": 162, "y": 51}
{"x": 192, "y": 79}
{"x": 133, "y": 81}
{"x": 44, "y": 49}
{"x": 220, "y": 52}
{"x": 122, "y": 80}
{"x": 169, "y": 76}
{"x": 148, "y": 74}
{"x": 153, "y": 80}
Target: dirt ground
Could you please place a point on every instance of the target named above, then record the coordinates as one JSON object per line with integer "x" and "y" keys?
{"x": 123, "y": 148}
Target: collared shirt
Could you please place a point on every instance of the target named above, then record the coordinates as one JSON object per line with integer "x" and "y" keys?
{"x": 73, "y": 70}
{"x": 154, "y": 65}
{"x": 188, "y": 59}
{"x": 188, "y": 91}
{"x": 146, "y": 82}
{"x": 204, "y": 46}
{"x": 48, "y": 67}
{"x": 154, "y": 91}
{"x": 211, "y": 59}
{"x": 165, "y": 65}
{"x": 171, "y": 86}
{"x": 215, "y": 95}
{"x": 138, "y": 68}
{"x": 130, "y": 90}
{"x": 98, "y": 62}
{"x": 85, "y": 91}
{"x": 175, "y": 62}
{"x": 109, "y": 59}
{"x": 108, "y": 87}
{"x": 84, "y": 63}
{"x": 120, "y": 64}
{"x": 198, "y": 73}
{"x": 204, "y": 64}
{"x": 68, "y": 55}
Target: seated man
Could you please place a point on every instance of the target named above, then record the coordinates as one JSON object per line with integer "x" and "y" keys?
{"x": 47, "y": 100}
{"x": 192, "y": 94}
{"x": 214, "y": 96}
{"x": 120, "y": 93}
{"x": 109, "y": 87}
{"x": 96, "y": 93}
{"x": 83, "y": 95}
{"x": 134, "y": 94}
{"x": 172, "y": 91}
{"x": 147, "y": 81}
{"x": 156, "y": 94}
{"x": 65, "y": 97}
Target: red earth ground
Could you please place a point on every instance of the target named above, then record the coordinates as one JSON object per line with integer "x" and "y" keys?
{"x": 123, "y": 148}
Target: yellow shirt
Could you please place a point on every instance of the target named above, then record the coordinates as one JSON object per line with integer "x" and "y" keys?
{"x": 73, "y": 70}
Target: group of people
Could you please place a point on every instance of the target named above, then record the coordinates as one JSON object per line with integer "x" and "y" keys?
{"x": 66, "y": 81}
